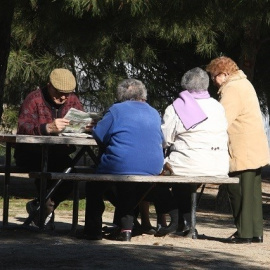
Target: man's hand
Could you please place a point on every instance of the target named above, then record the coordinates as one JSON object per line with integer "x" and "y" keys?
{"x": 57, "y": 125}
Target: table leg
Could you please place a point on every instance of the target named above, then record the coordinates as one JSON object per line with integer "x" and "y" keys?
{"x": 92, "y": 155}
{"x": 193, "y": 214}
{"x": 6, "y": 184}
{"x": 76, "y": 194}
{"x": 75, "y": 213}
{"x": 53, "y": 189}
{"x": 43, "y": 185}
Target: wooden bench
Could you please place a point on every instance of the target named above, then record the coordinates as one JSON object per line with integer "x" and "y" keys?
{"x": 17, "y": 169}
{"x": 77, "y": 177}
{"x": 8, "y": 169}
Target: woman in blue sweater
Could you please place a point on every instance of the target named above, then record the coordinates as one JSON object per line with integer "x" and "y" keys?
{"x": 130, "y": 134}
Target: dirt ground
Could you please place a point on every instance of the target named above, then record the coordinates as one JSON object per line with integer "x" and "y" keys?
{"x": 24, "y": 249}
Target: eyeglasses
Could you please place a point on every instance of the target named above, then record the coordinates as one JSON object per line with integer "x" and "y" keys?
{"x": 59, "y": 94}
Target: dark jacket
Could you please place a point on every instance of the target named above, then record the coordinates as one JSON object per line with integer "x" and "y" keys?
{"x": 36, "y": 111}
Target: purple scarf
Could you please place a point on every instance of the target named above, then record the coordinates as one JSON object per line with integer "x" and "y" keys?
{"x": 188, "y": 110}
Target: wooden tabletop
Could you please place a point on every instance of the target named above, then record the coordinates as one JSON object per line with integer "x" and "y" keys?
{"x": 46, "y": 139}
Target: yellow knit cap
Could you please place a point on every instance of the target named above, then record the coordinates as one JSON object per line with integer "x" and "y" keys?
{"x": 63, "y": 80}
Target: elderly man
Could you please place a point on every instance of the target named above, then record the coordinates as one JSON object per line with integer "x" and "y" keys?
{"x": 130, "y": 133}
{"x": 42, "y": 113}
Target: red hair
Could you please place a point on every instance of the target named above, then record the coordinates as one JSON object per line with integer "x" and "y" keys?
{"x": 222, "y": 64}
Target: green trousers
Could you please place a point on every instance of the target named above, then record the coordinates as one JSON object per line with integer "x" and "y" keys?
{"x": 246, "y": 200}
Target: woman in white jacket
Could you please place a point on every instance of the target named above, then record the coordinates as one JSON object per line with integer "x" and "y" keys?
{"x": 195, "y": 133}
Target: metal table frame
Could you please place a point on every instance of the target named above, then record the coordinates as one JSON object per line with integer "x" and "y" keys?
{"x": 44, "y": 141}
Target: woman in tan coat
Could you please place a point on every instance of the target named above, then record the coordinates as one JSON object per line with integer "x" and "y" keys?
{"x": 248, "y": 147}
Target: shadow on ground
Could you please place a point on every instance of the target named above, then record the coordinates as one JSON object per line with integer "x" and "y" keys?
{"x": 23, "y": 249}
{"x": 40, "y": 251}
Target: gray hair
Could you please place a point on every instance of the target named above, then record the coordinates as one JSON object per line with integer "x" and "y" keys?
{"x": 195, "y": 79}
{"x": 131, "y": 89}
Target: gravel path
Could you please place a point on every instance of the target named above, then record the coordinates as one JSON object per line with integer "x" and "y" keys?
{"x": 23, "y": 249}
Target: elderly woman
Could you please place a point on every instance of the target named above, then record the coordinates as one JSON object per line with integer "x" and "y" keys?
{"x": 248, "y": 147}
{"x": 131, "y": 135}
{"x": 195, "y": 132}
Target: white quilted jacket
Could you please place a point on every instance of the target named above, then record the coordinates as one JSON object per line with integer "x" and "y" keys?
{"x": 202, "y": 150}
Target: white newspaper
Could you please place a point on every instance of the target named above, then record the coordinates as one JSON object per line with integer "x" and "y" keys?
{"x": 78, "y": 121}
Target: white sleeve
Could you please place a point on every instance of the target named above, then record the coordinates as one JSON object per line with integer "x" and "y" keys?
{"x": 168, "y": 126}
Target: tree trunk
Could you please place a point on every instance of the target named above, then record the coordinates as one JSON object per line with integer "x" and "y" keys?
{"x": 6, "y": 16}
{"x": 250, "y": 47}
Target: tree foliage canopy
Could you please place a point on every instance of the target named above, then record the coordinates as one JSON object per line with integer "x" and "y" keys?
{"x": 155, "y": 41}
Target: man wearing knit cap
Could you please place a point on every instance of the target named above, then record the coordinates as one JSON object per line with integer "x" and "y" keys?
{"x": 42, "y": 113}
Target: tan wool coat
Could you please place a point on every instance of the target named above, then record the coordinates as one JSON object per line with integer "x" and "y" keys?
{"x": 248, "y": 145}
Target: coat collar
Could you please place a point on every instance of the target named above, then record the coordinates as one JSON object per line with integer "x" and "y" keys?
{"x": 238, "y": 75}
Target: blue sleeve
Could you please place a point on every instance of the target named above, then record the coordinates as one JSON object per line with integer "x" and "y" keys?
{"x": 103, "y": 130}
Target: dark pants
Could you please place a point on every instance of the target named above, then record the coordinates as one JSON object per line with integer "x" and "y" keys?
{"x": 246, "y": 200}
{"x": 61, "y": 193}
{"x": 125, "y": 197}
{"x": 162, "y": 198}
{"x": 56, "y": 163}
{"x": 182, "y": 195}
{"x": 125, "y": 204}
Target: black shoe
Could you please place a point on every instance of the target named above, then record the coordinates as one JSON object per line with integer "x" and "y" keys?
{"x": 238, "y": 240}
{"x": 83, "y": 235}
{"x": 108, "y": 230}
{"x": 93, "y": 237}
{"x": 257, "y": 239}
{"x": 113, "y": 234}
{"x": 162, "y": 231}
{"x": 32, "y": 206}
{"x": 186, "y": 234}
{"x": 183, "y": 230}
{"x": 148, "y": 230}
{"x": 122, "y": 236}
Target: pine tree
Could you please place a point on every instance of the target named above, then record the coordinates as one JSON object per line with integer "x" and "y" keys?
{"x": 106, "y": 41}
{"x": 6, "y": 15}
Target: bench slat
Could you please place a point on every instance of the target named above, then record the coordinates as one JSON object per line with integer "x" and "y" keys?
{"x": 136, "y": 178}
{"x": 14, "y": 169}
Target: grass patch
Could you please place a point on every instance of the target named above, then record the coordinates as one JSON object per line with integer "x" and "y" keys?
{"x": 68, "y": 206}
{"x": 19, "y": 204}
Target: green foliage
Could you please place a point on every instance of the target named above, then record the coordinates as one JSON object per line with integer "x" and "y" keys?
{"x": 106, "y": 41}
{"x": 17, "y": 204}
{"x": 2, "y": 153}
{"x": 67, "y": 205}
{"x": 9, "y": 119}
{"x": 23, "y": 62}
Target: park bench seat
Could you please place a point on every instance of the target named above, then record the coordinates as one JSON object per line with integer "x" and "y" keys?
{"x": 90, "y": 177}
{"x": 18, "y": 169}
{"x": 13, "y": 169}
{"x": 136, "y": 178}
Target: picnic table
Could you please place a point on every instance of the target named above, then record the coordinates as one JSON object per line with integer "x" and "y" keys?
{"x": 44, "y": 175}
{"x": 45, "y": 141}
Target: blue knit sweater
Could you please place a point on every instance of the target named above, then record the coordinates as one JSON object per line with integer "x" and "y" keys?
{"x": 131, "y": 134}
